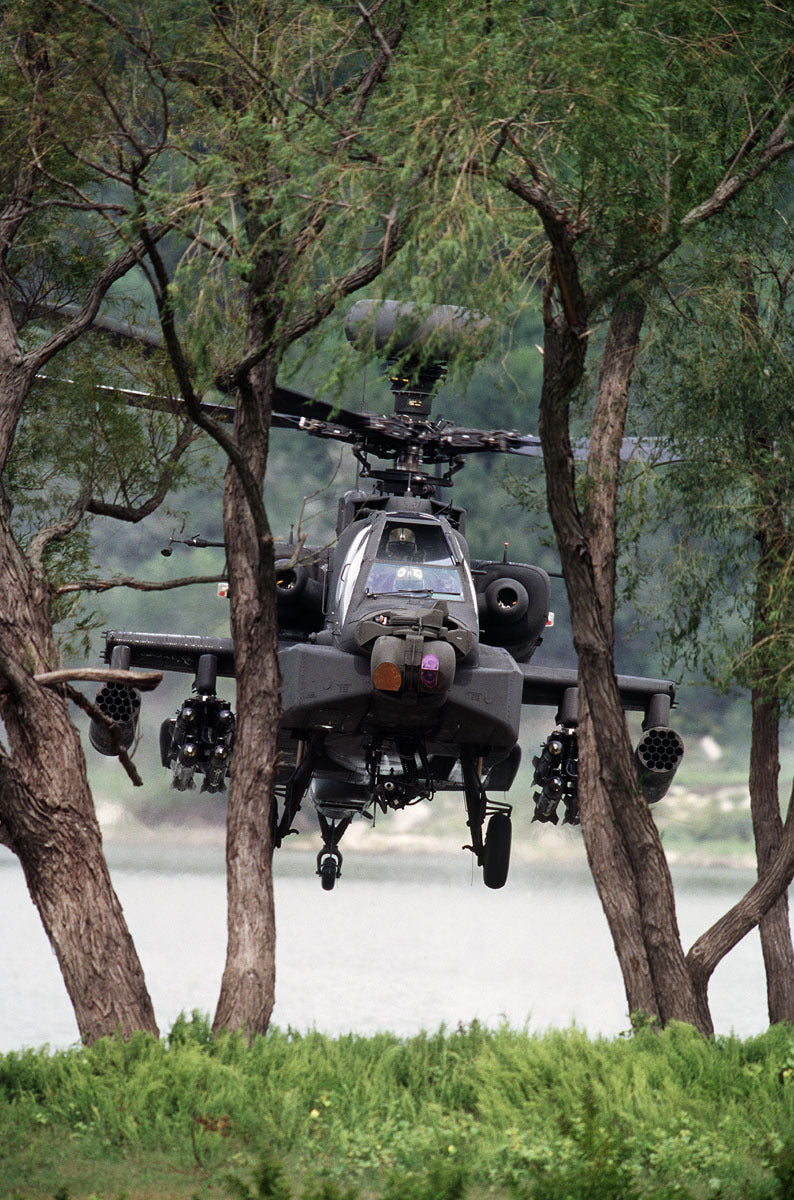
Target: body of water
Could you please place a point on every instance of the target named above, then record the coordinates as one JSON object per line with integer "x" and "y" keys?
{"x": 402, "y": 944}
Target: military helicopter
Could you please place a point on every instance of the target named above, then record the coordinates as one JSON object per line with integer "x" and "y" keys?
{"x": 405, "y": 661}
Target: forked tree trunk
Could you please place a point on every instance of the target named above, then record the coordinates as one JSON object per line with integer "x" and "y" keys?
{"x": 47, "y": 818}
{"x": 774, "y": 926}
{"x": 617, "y": 825}
{"x": 712, "y": 946}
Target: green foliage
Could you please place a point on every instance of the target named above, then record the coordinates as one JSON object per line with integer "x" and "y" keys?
{"x": 720, "y": 371}
{"x": 328, "y": 1189}
{"x": 447, "y": 1116}
{"x": 625, "y": 114}
{"x": 69, "y": 102}
{"x": 268, "y": 1182}
{"x": 442, "y": 1180}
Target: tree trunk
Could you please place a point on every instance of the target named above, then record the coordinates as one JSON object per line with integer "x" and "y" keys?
{"x": 774, "y": 549}
{"x": 618, "y": 828}
{"x": 774, "y": 927}
{"x": 612, "y": 874}
{"x": 47, "y": 818}
{"x": 248, "y": 985}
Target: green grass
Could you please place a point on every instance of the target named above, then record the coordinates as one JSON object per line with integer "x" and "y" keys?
{"x": 449, "y": 1116}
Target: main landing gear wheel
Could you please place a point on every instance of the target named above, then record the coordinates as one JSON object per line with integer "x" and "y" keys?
{"x": 496, "y": 859}
{"x": 329, "y": 869}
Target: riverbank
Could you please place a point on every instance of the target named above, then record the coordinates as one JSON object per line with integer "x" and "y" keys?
{"x": 457, "y": 1115}
{"x": 700, "y": 827}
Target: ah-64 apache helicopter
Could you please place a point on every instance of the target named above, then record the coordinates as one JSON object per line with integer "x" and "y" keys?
{"x": 404, "y": 660}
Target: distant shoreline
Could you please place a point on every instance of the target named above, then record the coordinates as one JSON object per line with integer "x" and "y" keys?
{"x": 549, "y": 844}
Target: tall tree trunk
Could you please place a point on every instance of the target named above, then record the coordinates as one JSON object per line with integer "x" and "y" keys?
{"x": 773, "y": 550}
{"x": 618, "y": 828}
{"x": 248, "y": 985}
{"x": 774, "y": 926}
{"x": 47, "y": 818}
{"x": 612, "y": 874}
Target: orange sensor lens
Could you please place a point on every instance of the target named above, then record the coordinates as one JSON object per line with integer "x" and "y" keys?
{"x": 387, "y": 678}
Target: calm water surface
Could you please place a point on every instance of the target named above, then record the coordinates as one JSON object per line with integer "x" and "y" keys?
{"x": 402, "y": 944}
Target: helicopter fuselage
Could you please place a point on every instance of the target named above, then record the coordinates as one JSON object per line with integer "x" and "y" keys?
{"x": 404, "y": 661}
{"x": 399, "y": 652}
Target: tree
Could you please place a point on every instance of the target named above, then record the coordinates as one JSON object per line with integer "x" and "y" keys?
{"x": 623, "y": 130}
{"x": 55, "y": 252}
{"x": 727, "y": 393}
{"x": 533, "y": 126}
{"x": 294, "y": 198}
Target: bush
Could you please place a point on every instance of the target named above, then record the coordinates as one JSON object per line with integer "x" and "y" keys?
{"x": 667, "y": 1115}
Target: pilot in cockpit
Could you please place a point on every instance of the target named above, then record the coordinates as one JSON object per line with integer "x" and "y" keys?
{"x": 401, "y": 543}
{"x": 398, "y": 569}
{"x": 407, "y": 564}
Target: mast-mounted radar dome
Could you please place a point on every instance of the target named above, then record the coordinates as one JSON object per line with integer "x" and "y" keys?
{"x": 418, "y": 343}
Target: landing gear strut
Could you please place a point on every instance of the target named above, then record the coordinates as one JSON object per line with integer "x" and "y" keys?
{"x": 329, "y": 860}
{"x": 493, "y": 853}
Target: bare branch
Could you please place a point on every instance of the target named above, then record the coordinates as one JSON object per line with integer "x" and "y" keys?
{"x": 376, "y": 33}
{"x": 191, "y": 401}
{"x": 730, "y": 185}
{"x": 55, "y": 533}
{"x": 138, "y": 585}
{"x": 135, "y": 513}
{"x": 144, "y": 681}
{"x": 297, "y": 552}
{"x": 377, "y": 69}
{"x": 37, "y": 358}
{"x": 754, "y": 135}
{"x": 712, "y": 946}
{"x": 96, "y": 715}
{"x": 393, "y": 239}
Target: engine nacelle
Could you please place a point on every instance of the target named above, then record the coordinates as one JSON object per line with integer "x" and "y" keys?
{"x": 513, "y": 602}
{"x": 290, "y": 582}
{"x": 505, "y": 602}
{"x": 299, "y": 597}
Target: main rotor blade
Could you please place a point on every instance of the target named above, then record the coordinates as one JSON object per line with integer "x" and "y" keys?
{"x": 381, "y": 436}
{"x": 632, "y": 449}
{"x": 286, "y": 400}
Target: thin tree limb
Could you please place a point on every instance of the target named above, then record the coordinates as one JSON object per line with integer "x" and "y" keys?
{"x": 712, "y": 946}
{"x": 139, "y": 585}
{"x": 96, "y": 715}
{"x": 144, "y": 681}
{"x": 55, "y": 533}
{"x": 38, "y": 358}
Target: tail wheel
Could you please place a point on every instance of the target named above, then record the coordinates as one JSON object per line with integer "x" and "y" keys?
{"x": 496, "y": 859}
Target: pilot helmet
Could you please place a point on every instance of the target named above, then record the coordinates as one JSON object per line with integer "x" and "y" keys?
{"x": 401, "y": 543}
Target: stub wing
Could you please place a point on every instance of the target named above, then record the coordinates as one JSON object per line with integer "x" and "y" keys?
{"x": 549, "y": 685}
{"x": 657, "y": 756}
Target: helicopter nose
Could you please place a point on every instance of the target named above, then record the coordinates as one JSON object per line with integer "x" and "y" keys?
{"x": 411, "y": 665}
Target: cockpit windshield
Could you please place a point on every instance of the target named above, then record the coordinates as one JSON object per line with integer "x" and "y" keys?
{"x": 414, "y": 558}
